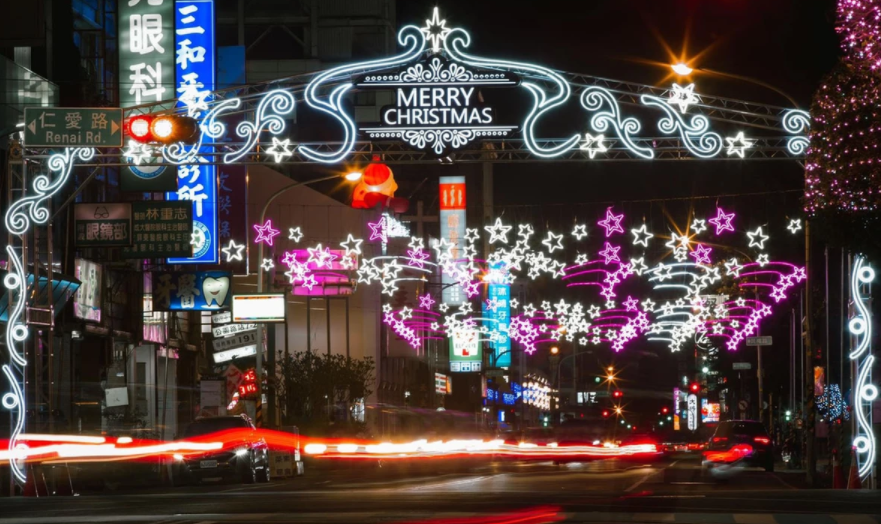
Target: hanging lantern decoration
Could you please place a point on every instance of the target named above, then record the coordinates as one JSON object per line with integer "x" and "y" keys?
{"x": 377, "y": 186}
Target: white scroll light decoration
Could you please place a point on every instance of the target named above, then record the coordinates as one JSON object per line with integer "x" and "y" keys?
{"x": 865, "y": 392}
{"x": 20, "y": 216}
{"x": 797, "y": 122}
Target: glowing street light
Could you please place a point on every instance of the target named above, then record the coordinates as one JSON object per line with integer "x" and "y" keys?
{"x": 555, "y": 350}
{"x": 353, "y": 176}
{"x": 681, "y": 69}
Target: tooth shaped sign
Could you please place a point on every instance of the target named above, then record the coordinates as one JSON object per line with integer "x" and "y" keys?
{"x": 191, "y": 290}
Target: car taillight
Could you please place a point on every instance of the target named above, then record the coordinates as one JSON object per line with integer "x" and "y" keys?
{"x": 762, "y": 440}
{"x": 720, "y": 439}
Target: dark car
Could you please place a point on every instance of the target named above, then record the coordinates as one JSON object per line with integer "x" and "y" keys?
{"x": 733, "y": 436}
{"x": 246, "y": 457}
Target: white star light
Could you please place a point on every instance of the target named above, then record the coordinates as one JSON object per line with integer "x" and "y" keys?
{"x": 581, "y": 259}
{"x": 435, "y": 31}
{"x": 648, "y": 305}
{"x": 525, "y": 232}
{"x": 733, "y": 267}
{"x": 353, "y": 245}
{"x": 579, "y": 232}
{"x": 762, "y": 259}
{"x": 498, "y": 232}
{"x": 699, "y": 225}
{"x": 386, "y": 308}
{"x": 637, "y": 265}
{"x": 406, "y": 313}
{"x": 279, "y": 149}
{"x": 515, "y": 303}
{"x": 471, "y": 235}
{"x": 233, "y": 251}
{"x": 757, "y": 238}
{"x": 553, "y": 242}
{"x": 593, "y": 145}
{"x": 137, "y": 152}
{"x": 268, "y": 264}
{"x": 295, "y": 234}
{"x": 683, "y": 97}
{"x": 443, "y": 308}
{"x": 794, "y": 225}
{"x": 737, "y": 144}
{"x": 641, "y": 236}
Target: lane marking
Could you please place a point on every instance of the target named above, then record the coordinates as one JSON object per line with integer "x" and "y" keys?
{"x": 640, "y": 482}
{"x": 787, "y": 484}
{"x": 754, "y": 518}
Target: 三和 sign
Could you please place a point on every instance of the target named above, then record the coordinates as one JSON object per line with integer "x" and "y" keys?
{"x": 194, "y": 77}
{"x": 438, "y": 105}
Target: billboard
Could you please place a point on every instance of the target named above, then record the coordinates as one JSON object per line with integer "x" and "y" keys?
{"x": 103, "y": 224}
{"x": 146, "y": 75}
{"x": 465, "y": 351}
{"x": 87, "y": 301}
{"x": 709, "y": 411}
{"x": 194, "y": 80}
{"x": 256, "y": 308}
{"x": 691, "y": 411}
{"x": 497, "y": 308}
{"x": 452, "y": 229}
{"x": 160, "y": 229}
{"x": 191, "y": 290}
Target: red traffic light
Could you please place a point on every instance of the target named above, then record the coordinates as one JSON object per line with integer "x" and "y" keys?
{"x": 617, "y": 394}
{"x": 665, "y": 410}
{"x": 605, "y": 413}
{"x": 163, "y": 129}
{"x": 695, "y": 387}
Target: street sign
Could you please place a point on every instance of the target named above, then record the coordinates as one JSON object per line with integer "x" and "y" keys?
{"x": 231, "y": 329}
{"x": 741, "y": 366}
{"x": 224, "y": 317}
{"x": 759, "y": 341}
{"x": 743, "y": 405}
{"x": 495, "y": 372}
{"x": 73, "y": 126}
{"x": 244, "y": 338}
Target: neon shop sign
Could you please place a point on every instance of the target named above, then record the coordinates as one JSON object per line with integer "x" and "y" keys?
{"x": 437, "y": 104}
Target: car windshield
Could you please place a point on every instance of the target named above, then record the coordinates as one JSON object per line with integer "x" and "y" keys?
{"x": 440, "y": 261}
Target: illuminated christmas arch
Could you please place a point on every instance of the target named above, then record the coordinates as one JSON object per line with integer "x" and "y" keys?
{"x": 435, "y": 79}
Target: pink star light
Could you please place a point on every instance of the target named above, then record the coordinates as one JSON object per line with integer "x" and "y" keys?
{"x": 610, "y": 253}
{"x": 266, "y": 232}
{"x": 722, "y": 221}
{"x": 612, "y": 223}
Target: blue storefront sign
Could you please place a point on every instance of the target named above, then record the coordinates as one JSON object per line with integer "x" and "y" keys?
{"x": 497, "y": 307}
{"x": 191, "y": 290}
{"x": 195, "y": 62}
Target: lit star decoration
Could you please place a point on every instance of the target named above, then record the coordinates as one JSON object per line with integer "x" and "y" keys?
{"x": 377, "y": 230}
{"x": 701, "y": 254}
{"x": 610, "y": 253}
{"x": 593, "y": 145}
{"x": 280, "y": 149}
{"x": 268, "y": 264}
{"x": 737, "y": 145}
{"x": 794, "y": 225}
{"x": 295, "y": 234}
{"x": 498, "y": 232}
{"x": 641, "y": 236}
{"x": 612, "y": 222}
{"x": 266, "y": 233}
{"x": 425, "y": 301}
{"x": 352, "y": 245}
{"x": 553, "y": 242}
{"x": 698, "y": 225}
{"x": 233, "y": 251}
{"x": 722, "y": 221}
{"x": 579, "y": 231}
{"x": 683, "y": 97}
{"x": 435, "y": 31}
{"x": 757, "y": 238}
{"x": 137, "y": 152}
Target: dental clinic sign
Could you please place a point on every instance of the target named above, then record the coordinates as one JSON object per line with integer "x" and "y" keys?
{"x": 438, "y": 104}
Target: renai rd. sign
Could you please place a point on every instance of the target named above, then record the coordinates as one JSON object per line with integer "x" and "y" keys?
{"x": 72, "y": 127}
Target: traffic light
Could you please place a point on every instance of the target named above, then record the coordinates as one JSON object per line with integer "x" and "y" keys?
{"x": 163, "y": 129}
{"x": 606, "y": 413}
{"x": 665, "y": 410}
{"x": 617, "y": 394}
{"x": 695, "y": 387}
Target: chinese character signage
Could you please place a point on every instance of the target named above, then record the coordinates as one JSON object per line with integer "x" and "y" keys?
{"x": 194, "y": 81}
{"x": 709, "y": 411}
{"x": 465, "y": 351}
{"x": 191, "y": 290}
{"x": 87, "y": 301}
{"x": 497, "y": 308}
{"x": 103, "y": 224}
{"x": 452, "y": 228}
{"x": 72, "y": 127}
{"x": 161, "y": 229}
{"x": 691, "y": 412}
{"x": 146, "y": 75}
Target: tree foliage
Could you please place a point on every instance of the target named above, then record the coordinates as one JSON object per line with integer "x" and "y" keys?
{"x": 312, "y": 385}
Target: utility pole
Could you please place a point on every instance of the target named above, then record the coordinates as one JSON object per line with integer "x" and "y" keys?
{"x": 810, "y": 441}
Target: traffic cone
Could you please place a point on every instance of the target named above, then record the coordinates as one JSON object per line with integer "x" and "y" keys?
{"x": 837, "y": 474}
{"x": 853, "y": 480}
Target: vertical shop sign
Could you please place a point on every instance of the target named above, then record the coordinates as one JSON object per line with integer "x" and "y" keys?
{"x": 194, "y": 82}
{"x": 497, "y": 307}
{"x": 452, "y": 228}
{"x": 146, "y": 75}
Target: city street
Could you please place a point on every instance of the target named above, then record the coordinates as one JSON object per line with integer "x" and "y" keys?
{"x": 673, "y": 490}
